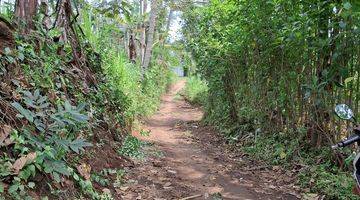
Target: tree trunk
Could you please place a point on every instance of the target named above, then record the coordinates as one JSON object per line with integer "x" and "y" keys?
{"x": 25, "y": 11}
{"x": 132, "y": 47}
{"x": 64, "y": 23}
{"x": 143, "y": 30}
{"x": 171, "y": 13}
{"x": 149, "y": 44}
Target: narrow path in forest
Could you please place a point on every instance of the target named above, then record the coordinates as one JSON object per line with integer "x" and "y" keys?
{"x": 193, "y": 164}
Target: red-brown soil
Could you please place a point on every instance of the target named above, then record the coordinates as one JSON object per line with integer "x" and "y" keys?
{"x": 196, "y": 163}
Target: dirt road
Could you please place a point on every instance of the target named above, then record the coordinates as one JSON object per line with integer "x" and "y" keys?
{"x": 192, "y": 163}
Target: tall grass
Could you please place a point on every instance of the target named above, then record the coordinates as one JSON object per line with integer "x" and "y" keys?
{"x": 196, "y": 90}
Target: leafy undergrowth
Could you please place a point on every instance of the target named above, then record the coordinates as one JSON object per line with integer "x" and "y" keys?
{"x": 317, "y": 174}
{"x": 58, "y": 119}
{"x": 132, "y": 147}
{"x": 195, "y": 91}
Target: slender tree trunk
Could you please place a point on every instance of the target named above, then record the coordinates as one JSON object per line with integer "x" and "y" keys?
{"x": 126, "y": 43}
{"x": 64, "y": 23}
{"x": 171, "y": 13}
{"x": 132, "y": 47}
{"x": 143, "y": 31}
{"x": 149, "y": 44}
{"x": 25, "y": 11}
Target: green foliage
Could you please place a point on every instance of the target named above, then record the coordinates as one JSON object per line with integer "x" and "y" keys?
{"x": 132, "y": 147}
{"x": 141, "y": 97}
{"x": 335, "y": 184}
{"x": 145, "y": 133}
{"x": 39, "y": 112}
{"x": 100, "y": 180}
{"x": 60, "y": 101}
{"x": 274, "y": 66}
{"x": 195, "y": 90}
{"x": 120, "y": 173}
{"x": 322, "y": 177}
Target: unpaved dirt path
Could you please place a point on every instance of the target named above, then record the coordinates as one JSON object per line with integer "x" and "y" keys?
{"x": 193, "y": 164}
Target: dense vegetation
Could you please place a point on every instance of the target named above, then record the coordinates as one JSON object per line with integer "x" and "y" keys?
{"x": 70, "y": 80}
{"x": 76, "y": 75}
{"x": 274, "y": 71}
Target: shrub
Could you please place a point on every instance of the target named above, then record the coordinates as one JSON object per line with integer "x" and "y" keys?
{"x": 195, "y": 90}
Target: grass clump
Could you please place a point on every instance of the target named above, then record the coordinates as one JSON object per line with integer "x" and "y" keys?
{"x": 195, "y": 90}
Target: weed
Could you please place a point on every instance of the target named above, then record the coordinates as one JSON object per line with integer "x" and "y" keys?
{"x": 132, "y": 147}
{"x": 195, "y": 90}
{"x": 100, "y": 179}
{"x": 120, "y": 173}
{"x": 145, "y": 133}
{"x": 323, "y": 178}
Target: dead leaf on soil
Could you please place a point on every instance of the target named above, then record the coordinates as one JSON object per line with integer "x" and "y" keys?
{"x": 124, "y": 188}
{"x": 5, "y": 131}
{"x": 311, "y": 196}
{"x": 167, "y": 184}
{"x": 84, "y": 170}
{"x": 106, "y": 191}
{"x": 212, "y": 177}
{"x": 276, "y": 168}
{"x": 21, "y": 162}
{"x": 172, "y": 171}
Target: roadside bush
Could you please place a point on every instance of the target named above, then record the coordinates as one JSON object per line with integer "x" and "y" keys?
{"x": 195, "y": 90}
{"x": 272, "y": 67}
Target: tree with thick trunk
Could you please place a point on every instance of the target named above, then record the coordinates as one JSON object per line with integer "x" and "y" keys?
{"x": 64, "y": 23}
{"x": 150, "y": 39}
{"x": 25, "y": 11}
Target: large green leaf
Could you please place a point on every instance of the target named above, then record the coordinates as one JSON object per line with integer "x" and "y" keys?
{"x": 24, "y": 112}
{"x": 79, "y": 144}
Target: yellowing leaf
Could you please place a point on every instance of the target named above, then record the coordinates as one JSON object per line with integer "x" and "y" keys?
{"x": 282, "y": 155}
{"x": 84, "y": 170}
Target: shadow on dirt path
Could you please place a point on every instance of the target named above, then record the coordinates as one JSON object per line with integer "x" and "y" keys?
{"x": 193, "y": 164}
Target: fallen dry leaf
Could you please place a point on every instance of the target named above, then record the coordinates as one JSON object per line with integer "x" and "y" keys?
{"x": 124, "y": 188}
{"x": 5, "y": 131}
{"x": 106, "y": 191}
{"x": 7, "y": 142}
{"x": 311, "y": 196}
{"x": 167, "y": 184}
{"x": 21, "y": 162}
{"x": 84, "y": 170}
